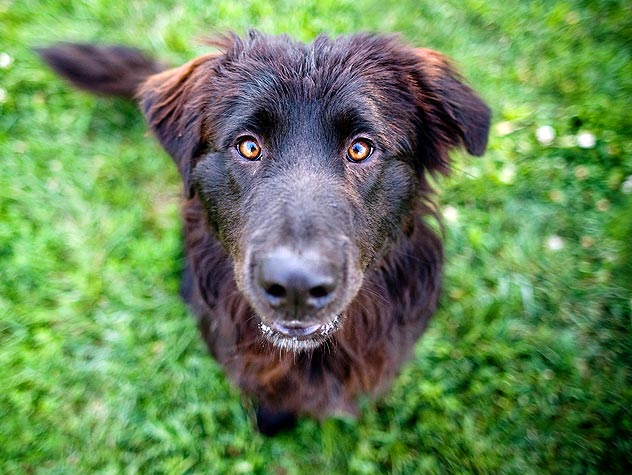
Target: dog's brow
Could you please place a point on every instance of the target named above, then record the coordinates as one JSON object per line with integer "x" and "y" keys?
{"x": 261, "y": 121}
{"x": 352, "y": 121}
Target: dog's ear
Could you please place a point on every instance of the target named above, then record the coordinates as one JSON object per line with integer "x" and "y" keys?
{"x": 174, "y": 102}
{"x": 451, "y": 113}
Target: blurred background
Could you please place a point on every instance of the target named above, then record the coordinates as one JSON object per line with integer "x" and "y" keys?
{"x": 525, "y": 369}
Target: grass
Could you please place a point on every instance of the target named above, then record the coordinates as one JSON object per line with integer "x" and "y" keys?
{"x": 525, "y": 369}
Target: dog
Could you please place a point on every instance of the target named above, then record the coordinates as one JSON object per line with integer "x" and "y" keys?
{"x": 310, "y": 264}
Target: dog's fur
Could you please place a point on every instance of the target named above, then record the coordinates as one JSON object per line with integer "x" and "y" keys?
{"x": 303, "y": 207}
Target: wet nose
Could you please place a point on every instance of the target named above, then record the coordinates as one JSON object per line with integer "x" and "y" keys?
{"x": 297, "y": 283}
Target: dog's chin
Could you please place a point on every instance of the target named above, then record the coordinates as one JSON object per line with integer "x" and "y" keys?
{"x": 305, "y": 339}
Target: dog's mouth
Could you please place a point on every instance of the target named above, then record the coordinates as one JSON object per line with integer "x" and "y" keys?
{"x": 296, "y": 336}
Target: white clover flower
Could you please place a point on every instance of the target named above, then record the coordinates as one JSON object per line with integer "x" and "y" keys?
{"x": 545, "y": 134}
{"x": 507, "y": 174}
{"x": 626, "y": 187}
{"x": 243, "y": 467}
{"x": 5, "y": 60}
{"x": 555, "y": 243}
{"x": 504, "y": 128}
{"x": 586, "y": 140}
{"x": 451, "y": 214}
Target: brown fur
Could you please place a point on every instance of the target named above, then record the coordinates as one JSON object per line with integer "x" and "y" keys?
{"x": 366, "y": 221}
{"x": 389, "y": 314}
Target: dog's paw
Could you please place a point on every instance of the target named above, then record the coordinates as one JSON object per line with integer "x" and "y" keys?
{"x": 272, "y": 422}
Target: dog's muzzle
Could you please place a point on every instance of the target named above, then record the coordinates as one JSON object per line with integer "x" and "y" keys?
{"x": 298, "y": 293}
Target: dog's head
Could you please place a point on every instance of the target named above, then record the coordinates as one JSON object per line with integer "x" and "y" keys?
{"x": 309, "y": 160}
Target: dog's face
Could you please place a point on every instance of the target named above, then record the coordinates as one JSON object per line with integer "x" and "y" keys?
{"x": 309, "y": 160}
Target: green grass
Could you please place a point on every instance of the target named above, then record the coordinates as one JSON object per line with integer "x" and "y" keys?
{"x": 526, "y": 368}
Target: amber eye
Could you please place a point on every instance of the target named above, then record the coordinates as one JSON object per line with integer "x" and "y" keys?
{"x": 249, "y": 148}
{"x": 359, "y": 150}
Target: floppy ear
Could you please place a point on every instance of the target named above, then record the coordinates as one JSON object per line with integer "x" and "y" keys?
{"x": 174, "y": 103}
{"x": 451, "y": 113}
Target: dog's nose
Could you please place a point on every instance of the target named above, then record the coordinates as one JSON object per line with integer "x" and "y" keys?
{"x": 299, "y": 284}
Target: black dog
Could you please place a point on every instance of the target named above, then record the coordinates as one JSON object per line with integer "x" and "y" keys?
{"x": 305, "y": 167}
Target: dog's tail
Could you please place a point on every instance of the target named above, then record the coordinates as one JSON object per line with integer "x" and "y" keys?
{"x": 104, "y": 70}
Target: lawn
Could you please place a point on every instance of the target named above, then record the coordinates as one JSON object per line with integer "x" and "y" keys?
{"x": 526, "y": 368}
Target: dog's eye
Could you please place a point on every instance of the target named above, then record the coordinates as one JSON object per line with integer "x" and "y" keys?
{"x": 249, "y": 148}
{"x": 360, "y": 149}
